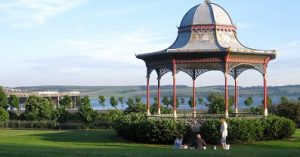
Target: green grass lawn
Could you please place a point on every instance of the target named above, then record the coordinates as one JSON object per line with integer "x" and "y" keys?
{"x": 97, "y": 143}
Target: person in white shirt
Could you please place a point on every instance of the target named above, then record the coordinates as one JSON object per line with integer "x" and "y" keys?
{"x": 224, "y": 133}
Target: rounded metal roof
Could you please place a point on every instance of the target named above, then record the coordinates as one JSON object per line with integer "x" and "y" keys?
{"x": 206, "y": 14}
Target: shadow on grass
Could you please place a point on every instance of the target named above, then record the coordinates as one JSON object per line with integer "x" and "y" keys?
{"x": 86, "y": 136}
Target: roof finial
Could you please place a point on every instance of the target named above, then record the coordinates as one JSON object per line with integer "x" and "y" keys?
{"x": 207, "y": 1}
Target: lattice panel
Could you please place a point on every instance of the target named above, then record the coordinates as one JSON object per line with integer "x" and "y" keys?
{"x": 236, "y": 69}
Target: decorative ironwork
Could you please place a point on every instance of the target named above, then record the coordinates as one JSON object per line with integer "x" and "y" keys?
{"x": 194, "y": 73}
{"x": 161, "y": 72}
{"x": 236, "y": 69}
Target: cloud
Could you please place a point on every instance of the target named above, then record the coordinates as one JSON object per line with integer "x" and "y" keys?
{"x": 30, "y": 13}
{"x": 120, "y": 48}
{"x": 75, "y": 64}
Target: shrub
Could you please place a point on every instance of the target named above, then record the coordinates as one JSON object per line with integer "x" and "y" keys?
{"x": 249, "y": 130}
{"x": 137, "y": 127}
{"x": 289, "y": 110}
{"x": 107, "y": 119}
{"x": 278, "y": 128}
{"x": 210, "y": 131}
{"x": 245, "y": 130}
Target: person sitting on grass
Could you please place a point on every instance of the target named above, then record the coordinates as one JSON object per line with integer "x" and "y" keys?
{"x": 199, "y": 143}
{"x": 178, "y": 142}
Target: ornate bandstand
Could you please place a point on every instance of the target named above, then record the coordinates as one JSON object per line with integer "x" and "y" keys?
{"x": 207, "y": 41}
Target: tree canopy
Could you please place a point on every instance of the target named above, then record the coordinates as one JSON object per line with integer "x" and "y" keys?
{"x": 101, "y": 100}
{"x": 3, "y": 99}
{"x": 66, "y": 101}
{"x": 14, "y": 102}
{"x": 37, "y": 108}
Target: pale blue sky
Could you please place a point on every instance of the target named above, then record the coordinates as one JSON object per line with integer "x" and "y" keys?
{"x": 94, "y": 42}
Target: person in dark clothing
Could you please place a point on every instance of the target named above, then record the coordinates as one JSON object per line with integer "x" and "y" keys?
{"x": 199, "y": 143}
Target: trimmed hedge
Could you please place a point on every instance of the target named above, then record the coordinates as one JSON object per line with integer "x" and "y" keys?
{"x": 249, "y": 130}
{"x": 137, "y": 127}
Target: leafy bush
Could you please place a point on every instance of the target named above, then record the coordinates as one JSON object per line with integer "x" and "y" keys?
{"x": 107, "y": 119}
{"x": 249, "y": 130}
{"x": 210, "y": 131}
{"x": 137, "y": 127}
{"x": 245, "y": 130}
{"x": 278, "y": 128}
{"x": 289, "y": 110}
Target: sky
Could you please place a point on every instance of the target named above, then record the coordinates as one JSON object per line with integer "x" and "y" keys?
{"x": 94, "y": 42}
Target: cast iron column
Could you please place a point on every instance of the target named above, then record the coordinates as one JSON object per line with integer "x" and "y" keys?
{"x": 158, "y": 95}
{"x": 148, "y": 96}
{"x": 174, "y": 90}
{"x": 236, "y": 99}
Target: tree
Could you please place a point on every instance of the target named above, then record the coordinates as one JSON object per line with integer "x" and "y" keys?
{"x": 113, "y": 102}
{"x": 289, "y": 110}
{"x": 200, "y": 100}
{"x": 269, "y": 100}
{"x": 3, "y": 99}
{"x": 130, "y": 101}
{"x": 216, "y": 103}
{"x": 66, "y": 101}
{"x": 177, "y": 102}
{"x": 138, "y": 99}
{"x": 284, "y": 100}
{"x": 191, "y": 104}
{"x": 37, "y": 108}
{"x": 60, "y": 115}
{"x": 4, "y": 116}
{"x": 182, "y": 101}
{"x": 154, "y": 106}
{"x": 101, "y": 100}
{"x": 121, "y": 101}
{"x": 249, "y": 101}
{"x": 166, "y": 101}
{"x": 299, "y": 99}
{"x": 85, "y": 111}
{"x": 135, "y": 106}
{"x": 13, "y": 101}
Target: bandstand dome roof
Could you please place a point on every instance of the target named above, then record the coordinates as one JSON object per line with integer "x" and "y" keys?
{"x": 206, "y": 14}
{"x": 207, "y": 28}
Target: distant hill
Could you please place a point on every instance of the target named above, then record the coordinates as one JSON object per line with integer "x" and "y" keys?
{"x": 94, "y": 91}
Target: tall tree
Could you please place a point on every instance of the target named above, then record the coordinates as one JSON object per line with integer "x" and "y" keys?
{"x": 121, "y": 101}
{"x": 101, "y": 100}
{"x": 3, "y": 99}
{"x": 113, "y": 102}
{"x": 85, "y": 111}
{"x": 130, "y": 101}
{"x": 166, "y": 101}
{"x": 66, "y": 101}
{"x": 284, "y": 100}
{"x": 13, "y": 101}
{"x": 248, "y": 101}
